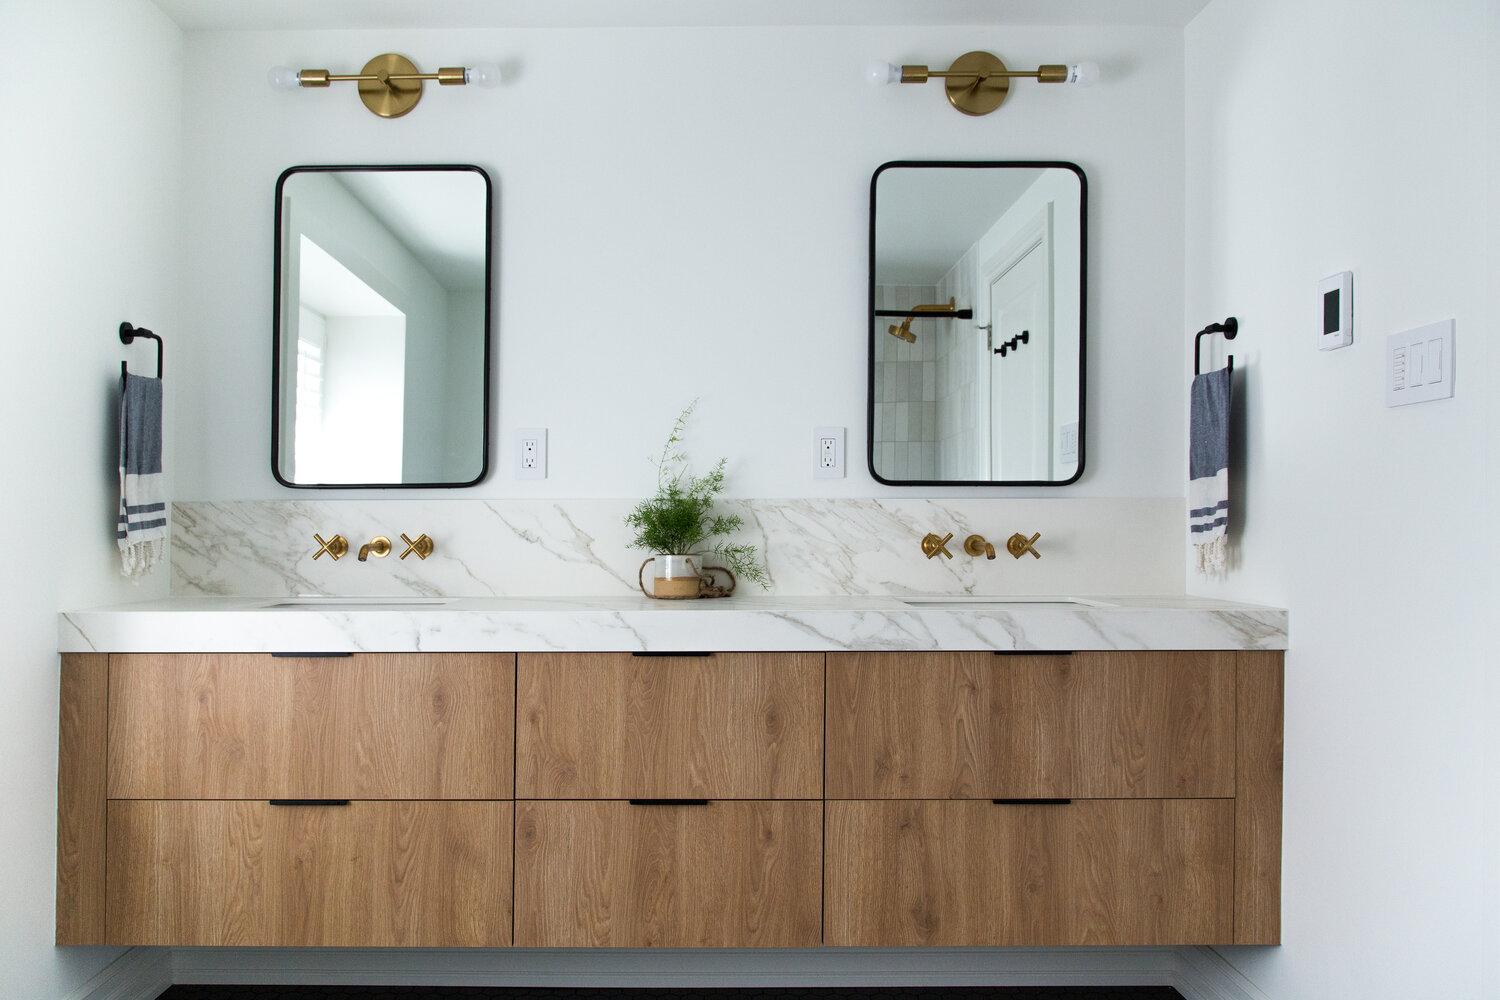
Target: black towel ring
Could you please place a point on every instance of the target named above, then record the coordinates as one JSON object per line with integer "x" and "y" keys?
{"x": 1230, "y": 328}
{"x": 128, "y": 334}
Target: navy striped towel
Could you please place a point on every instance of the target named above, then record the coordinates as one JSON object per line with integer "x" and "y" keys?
{"x": 1208, "y": 471}
{"x": 142, "y": 527}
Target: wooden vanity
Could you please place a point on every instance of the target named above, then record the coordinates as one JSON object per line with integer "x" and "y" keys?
{"x": 620, "y": 800}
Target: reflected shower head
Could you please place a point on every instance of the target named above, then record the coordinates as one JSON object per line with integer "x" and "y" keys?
{"x": 902, "y": 332}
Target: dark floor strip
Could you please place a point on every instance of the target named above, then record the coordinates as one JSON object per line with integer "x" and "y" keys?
{"x": 502, "y": 993}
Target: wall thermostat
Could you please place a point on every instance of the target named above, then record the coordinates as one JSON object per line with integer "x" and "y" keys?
{"x": 1336, "y": 299}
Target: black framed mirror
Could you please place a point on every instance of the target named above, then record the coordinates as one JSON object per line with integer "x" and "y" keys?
{"x": 978, "y": 276}
{"x": 381, "y": 332}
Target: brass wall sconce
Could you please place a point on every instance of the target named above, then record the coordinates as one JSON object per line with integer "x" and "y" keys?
{"x": 390, "y": 84}
{"x": 978, "y": 82}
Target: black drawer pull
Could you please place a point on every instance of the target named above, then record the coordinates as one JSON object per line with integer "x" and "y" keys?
{"x": 672, "y": 654}
{"x": 310, "y": 656}
{"x": 1031, "y": 802}
{"x": 309, "y": 802}
{"x": 1033, "y": 652}
{"x": 669, "y": 802}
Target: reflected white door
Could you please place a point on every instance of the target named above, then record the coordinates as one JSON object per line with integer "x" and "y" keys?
{"x": 1020, "y": 305}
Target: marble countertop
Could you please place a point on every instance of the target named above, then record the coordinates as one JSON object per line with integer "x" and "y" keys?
{"x": 239, "y": 624}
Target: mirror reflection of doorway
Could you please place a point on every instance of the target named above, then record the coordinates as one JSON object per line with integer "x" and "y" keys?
{"x": 351, "y": 366}
{"x": 1019, "y": 349}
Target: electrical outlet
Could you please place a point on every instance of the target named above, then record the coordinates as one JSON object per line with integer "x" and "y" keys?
{"x": 531, "y": 453}
{"x": 828, "y": 453}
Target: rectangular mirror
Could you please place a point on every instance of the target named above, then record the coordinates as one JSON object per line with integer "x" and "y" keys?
{"x": 380, "y": 357}
{"x": 976, "y": 323}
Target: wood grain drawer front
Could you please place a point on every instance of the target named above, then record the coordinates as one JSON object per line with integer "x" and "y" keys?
{"x": 977, "y": 725}
{"x": 367, "y": 874}
{"x": 1100, "y": 872}
{"x": 369, "y": 726}
{"x": 727, "y": 726}
{"x": 721, "y": 875}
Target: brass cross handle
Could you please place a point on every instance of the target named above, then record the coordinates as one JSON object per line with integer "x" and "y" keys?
{"x": 932, "y": 545}
{"x": 1018, "y": 545}
{"x": 422, "y": 545}
{"x": 337, "y": 547}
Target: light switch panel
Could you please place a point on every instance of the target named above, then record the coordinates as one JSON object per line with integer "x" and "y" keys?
{"x": 1419, "y": 364}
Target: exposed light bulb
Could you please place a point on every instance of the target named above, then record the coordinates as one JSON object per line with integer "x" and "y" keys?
{"x": 1083, "y": 74}
{"x": 880, "y": 71}
{"x": 283, "y": 78}
{"x": 483, "y": 75}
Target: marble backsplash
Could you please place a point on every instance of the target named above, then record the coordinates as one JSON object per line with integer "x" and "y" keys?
{"x": 520, "y": 547}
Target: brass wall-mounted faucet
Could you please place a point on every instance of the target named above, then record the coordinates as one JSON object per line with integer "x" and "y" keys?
{"x": 976, "y": 545}
{"x": 379, "y": 547}
{"x": 1017, "y": 545}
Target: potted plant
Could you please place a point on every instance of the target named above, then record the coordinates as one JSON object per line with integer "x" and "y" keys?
{"x": 680, "y": 527}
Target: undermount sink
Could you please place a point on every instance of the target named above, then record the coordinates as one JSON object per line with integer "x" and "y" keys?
{"x": 351, "y": 603}
{"x": 970, "y": 601}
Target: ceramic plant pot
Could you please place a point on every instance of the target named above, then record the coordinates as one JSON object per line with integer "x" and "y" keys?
{"x": 674, "y": 578}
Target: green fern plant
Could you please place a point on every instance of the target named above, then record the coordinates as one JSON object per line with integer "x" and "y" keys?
{"x": 680, "y": 519}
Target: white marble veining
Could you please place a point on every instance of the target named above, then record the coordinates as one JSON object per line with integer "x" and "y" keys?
{"x": 580, "y": 548}
{"x": 236, "y": 624}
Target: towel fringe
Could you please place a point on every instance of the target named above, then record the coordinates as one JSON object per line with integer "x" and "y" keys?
{"x": 139, "y": 558}
{"x": 1213, "y": 556}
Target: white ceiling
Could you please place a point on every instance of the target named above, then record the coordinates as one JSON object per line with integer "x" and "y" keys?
{"x": 326, "y": 286}
{"x": 437, "y": 215}
{"x": 305, "y": 14}
{"x": 927, "y": 218}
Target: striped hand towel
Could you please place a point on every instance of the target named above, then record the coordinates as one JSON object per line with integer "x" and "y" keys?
{"x": 142, "y": 527}
{"x": 1208, "y": 471}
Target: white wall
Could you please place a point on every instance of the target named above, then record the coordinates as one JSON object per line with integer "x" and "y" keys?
{"x": 690, "y": 218}
{"x": 1307, "y": 155}
{"x": 89, "y": 205}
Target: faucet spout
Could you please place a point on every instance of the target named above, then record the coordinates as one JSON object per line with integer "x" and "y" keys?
{"x": 379, "y": 547}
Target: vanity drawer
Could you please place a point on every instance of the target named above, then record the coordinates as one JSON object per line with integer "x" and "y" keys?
{"x": 367, "y": 726}
{"x": 720, "y": 875}
{"x": 613, "y": 725}
{"x": 1089, "y": 872}
{"x": 980, "y": 725}
{"x": 366, "y": 874}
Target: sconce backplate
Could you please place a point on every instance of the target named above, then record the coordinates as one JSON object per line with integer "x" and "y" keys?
{"x": 390, "y": 98}
{"x": 973, "y": 95}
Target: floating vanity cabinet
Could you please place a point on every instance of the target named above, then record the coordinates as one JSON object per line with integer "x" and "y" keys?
{"x": 675, "y": 800}
{"x": 259, "y": 800}
{"x": 618, "y": 800}
{"x": 1109, "y": 798}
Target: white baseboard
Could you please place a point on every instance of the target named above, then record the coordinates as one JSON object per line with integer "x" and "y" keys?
{"x": 1196, "y": 973}
{"x": 684, "y": 968}
{"x": 139, "y": 974}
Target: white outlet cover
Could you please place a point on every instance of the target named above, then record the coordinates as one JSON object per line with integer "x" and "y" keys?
{"x": 531, "y": 453}
{"x": 828, "y": 453}
{"x": 1419, "y": 364}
